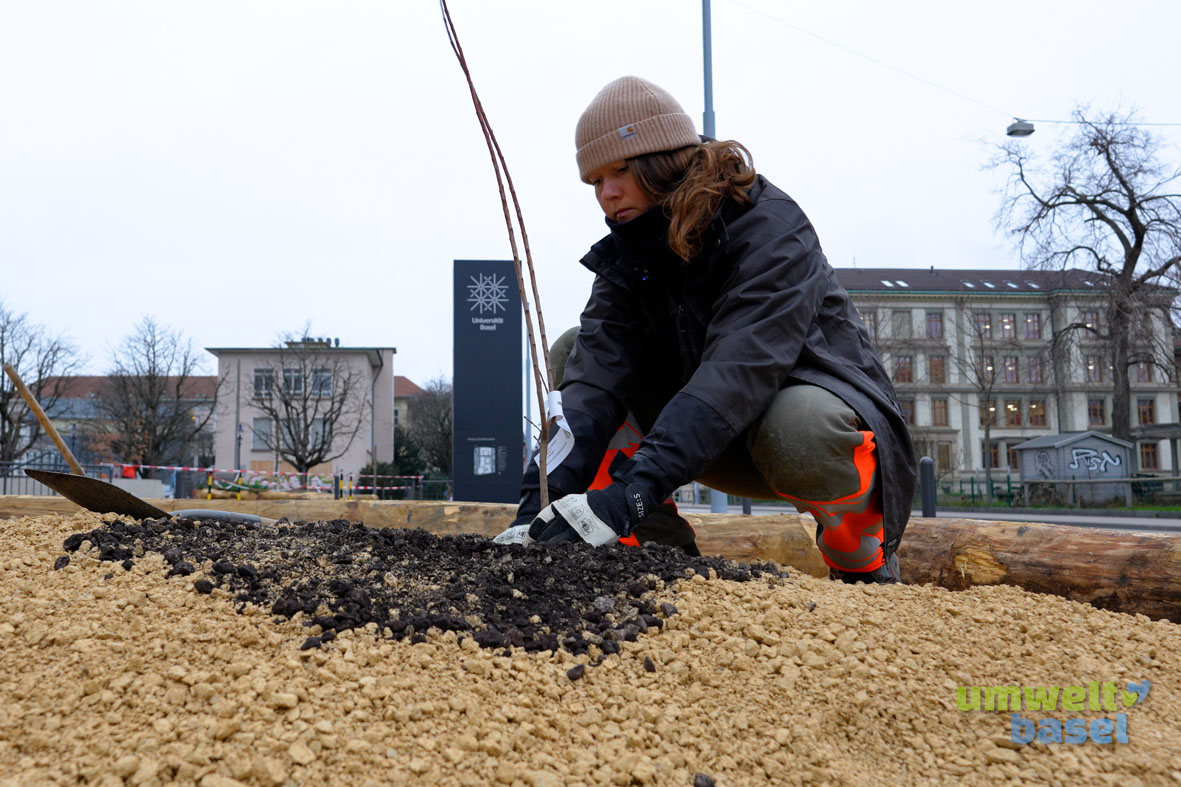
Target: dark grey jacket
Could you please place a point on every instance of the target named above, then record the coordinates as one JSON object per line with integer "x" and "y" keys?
{"x": 697, "y": 350}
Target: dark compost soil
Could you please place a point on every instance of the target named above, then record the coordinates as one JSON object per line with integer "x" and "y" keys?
{"x": 343, "y": 575}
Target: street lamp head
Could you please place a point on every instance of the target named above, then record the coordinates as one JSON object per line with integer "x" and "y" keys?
{"x": 1019, "y": 128}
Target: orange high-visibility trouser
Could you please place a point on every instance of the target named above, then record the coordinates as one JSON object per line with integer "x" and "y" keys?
{"x": 849, "y": 529}
{"x": 625, "y": 441}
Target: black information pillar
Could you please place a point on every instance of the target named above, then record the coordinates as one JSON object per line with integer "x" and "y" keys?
{"x": 486, "y": 425}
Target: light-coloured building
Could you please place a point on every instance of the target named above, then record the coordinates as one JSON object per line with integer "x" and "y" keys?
{"x": 406, "y": 392}
{"x": 966, "y": 347}
{"x": 79, "y": 419}
{"x": 362, "y": 378}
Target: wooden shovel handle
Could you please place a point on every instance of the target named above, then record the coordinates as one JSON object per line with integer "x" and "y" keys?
{"x": 31, "y": 401}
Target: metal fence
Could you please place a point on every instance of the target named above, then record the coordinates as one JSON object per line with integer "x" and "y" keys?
{"x": 14, "y": 481}
{"x": 1139, "y": 490}
{"x": 186, "y": 483}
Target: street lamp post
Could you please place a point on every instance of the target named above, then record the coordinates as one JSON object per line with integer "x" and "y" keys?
{"x": 1019, "y": 128}
{"x": 708, "y": 66}
{"x": 718, "y": 502}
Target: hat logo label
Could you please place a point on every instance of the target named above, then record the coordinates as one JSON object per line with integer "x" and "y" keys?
{"x": 627, "y": 131}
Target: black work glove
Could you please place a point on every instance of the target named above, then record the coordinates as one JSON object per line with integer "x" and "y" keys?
{"x": 596, "y": 517}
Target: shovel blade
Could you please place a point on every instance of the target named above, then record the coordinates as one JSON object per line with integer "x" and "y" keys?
{"x": 95, "y": 495}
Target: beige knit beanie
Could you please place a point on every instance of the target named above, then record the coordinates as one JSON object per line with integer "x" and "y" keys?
{"x": 630, "y": 117}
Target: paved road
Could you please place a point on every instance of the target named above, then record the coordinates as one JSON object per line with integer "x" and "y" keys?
{"x": 1109, "y": 522}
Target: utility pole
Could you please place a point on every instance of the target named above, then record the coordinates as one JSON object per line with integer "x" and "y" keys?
{"x": 708, "y": 65}
{"x": 718, "y": 502}
{"x": 238, "y": 414}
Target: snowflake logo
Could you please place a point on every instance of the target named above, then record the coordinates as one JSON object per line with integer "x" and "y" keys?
{"x": 487, "y": 293}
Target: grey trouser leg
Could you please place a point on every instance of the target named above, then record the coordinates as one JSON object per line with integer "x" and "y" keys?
{"x": 809, "y": 448}
{"x": 801, "y": 445}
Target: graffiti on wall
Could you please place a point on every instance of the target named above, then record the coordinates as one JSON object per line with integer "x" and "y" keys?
{"x": 1043, "y": 462}
{"x": 1092, "y": 460}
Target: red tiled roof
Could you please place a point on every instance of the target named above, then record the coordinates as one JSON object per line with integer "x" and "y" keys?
{"x": 86, "y": 386}
{"x": 404, "y": 386}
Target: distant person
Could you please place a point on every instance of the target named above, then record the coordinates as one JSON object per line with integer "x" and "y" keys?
{"x": 716, "y": 322}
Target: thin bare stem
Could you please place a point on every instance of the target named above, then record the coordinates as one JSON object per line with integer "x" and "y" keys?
{"x": 543, "y": 381}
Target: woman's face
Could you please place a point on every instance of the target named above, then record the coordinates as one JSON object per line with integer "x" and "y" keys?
{"x": 620, "y": 197}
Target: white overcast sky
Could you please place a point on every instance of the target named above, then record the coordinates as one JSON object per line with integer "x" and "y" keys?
{"x": 237, "y": 169}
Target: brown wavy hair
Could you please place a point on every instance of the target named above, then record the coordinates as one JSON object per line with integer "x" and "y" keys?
{"x": 691, "y": 183}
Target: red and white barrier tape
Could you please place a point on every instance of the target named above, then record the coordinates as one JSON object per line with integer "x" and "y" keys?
{"x": 253, "y": 472}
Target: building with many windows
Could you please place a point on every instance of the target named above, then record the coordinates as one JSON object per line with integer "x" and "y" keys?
{"x": 78, "y": 416}
{"x": 983, "y": 360}
{"x": 313, "y": 379}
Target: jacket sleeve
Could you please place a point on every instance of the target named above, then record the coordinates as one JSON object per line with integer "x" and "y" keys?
{"x": 759, "y": 327}
{"x": 594, "y": 385}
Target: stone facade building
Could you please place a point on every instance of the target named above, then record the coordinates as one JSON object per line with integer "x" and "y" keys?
{"x": 983, "y": 360}
{"x": 246, "y": 436}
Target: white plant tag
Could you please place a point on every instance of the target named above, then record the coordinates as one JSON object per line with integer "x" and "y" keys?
{"x": 561, "y": 438}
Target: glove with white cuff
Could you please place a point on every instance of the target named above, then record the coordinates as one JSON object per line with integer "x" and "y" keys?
{"x": 597, "y": 517}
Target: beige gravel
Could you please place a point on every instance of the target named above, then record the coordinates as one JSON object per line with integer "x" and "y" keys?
{"x": 139, "y": 680}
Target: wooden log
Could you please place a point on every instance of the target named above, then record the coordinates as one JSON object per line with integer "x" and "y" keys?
{"x": 1122, "y": 571}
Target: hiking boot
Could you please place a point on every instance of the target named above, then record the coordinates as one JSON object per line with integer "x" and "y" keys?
{"x": 886, "y": 574}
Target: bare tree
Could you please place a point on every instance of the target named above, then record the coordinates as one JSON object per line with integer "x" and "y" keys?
{"x": 153, "y": 404}
{"x": 43, "y": 363}
{"x": 314, "y": 401}
{"x": 1105, "y": 203}
{"x": 430, "y": 424}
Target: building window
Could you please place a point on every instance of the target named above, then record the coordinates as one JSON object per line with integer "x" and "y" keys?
{"x": 1009, "y": 369}
{"x": 318, "y": 435}
{"x": 1014, "y": 459}
{"x": 1142, "y": 326}
{"x": 907, "y": 407}
{"x": 937, "y": 369}
{"x": 985, "y": 369}
{"x": 1012, "y": 412}
{"x": 322, "y": 383}
{"x": 1034, "y": 369}
{"x": 1143, "y": 371}
{"x": 943, "y": 457}
{"x": 264, "y": 382}
{"x": 1093, "y": 368}
{"x": 902, "y": 326}
{"x": 903, "y": 369}
{"x": 983, "y": 325}
{"x": 990, "y": 455}
{"x": 263, "y": 439}
{"x": 938, "y": 412}
{"x": 397, "y": 415}
{"x": 1008, "y": 326}
{"x": 1037, "y": 412}
{"x": 1146, "y": 409}
{"x": 987, "y": 412}
{"x": 1033, "y": 326}
{"x": 1090, "y": 319}
{"x": 934, "y": 325}
{"x": 292, "y": 382}
{"x": 870, "y": 318}
{"x": 1148, "y": 457}
{"x": 1097, "y": 412}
